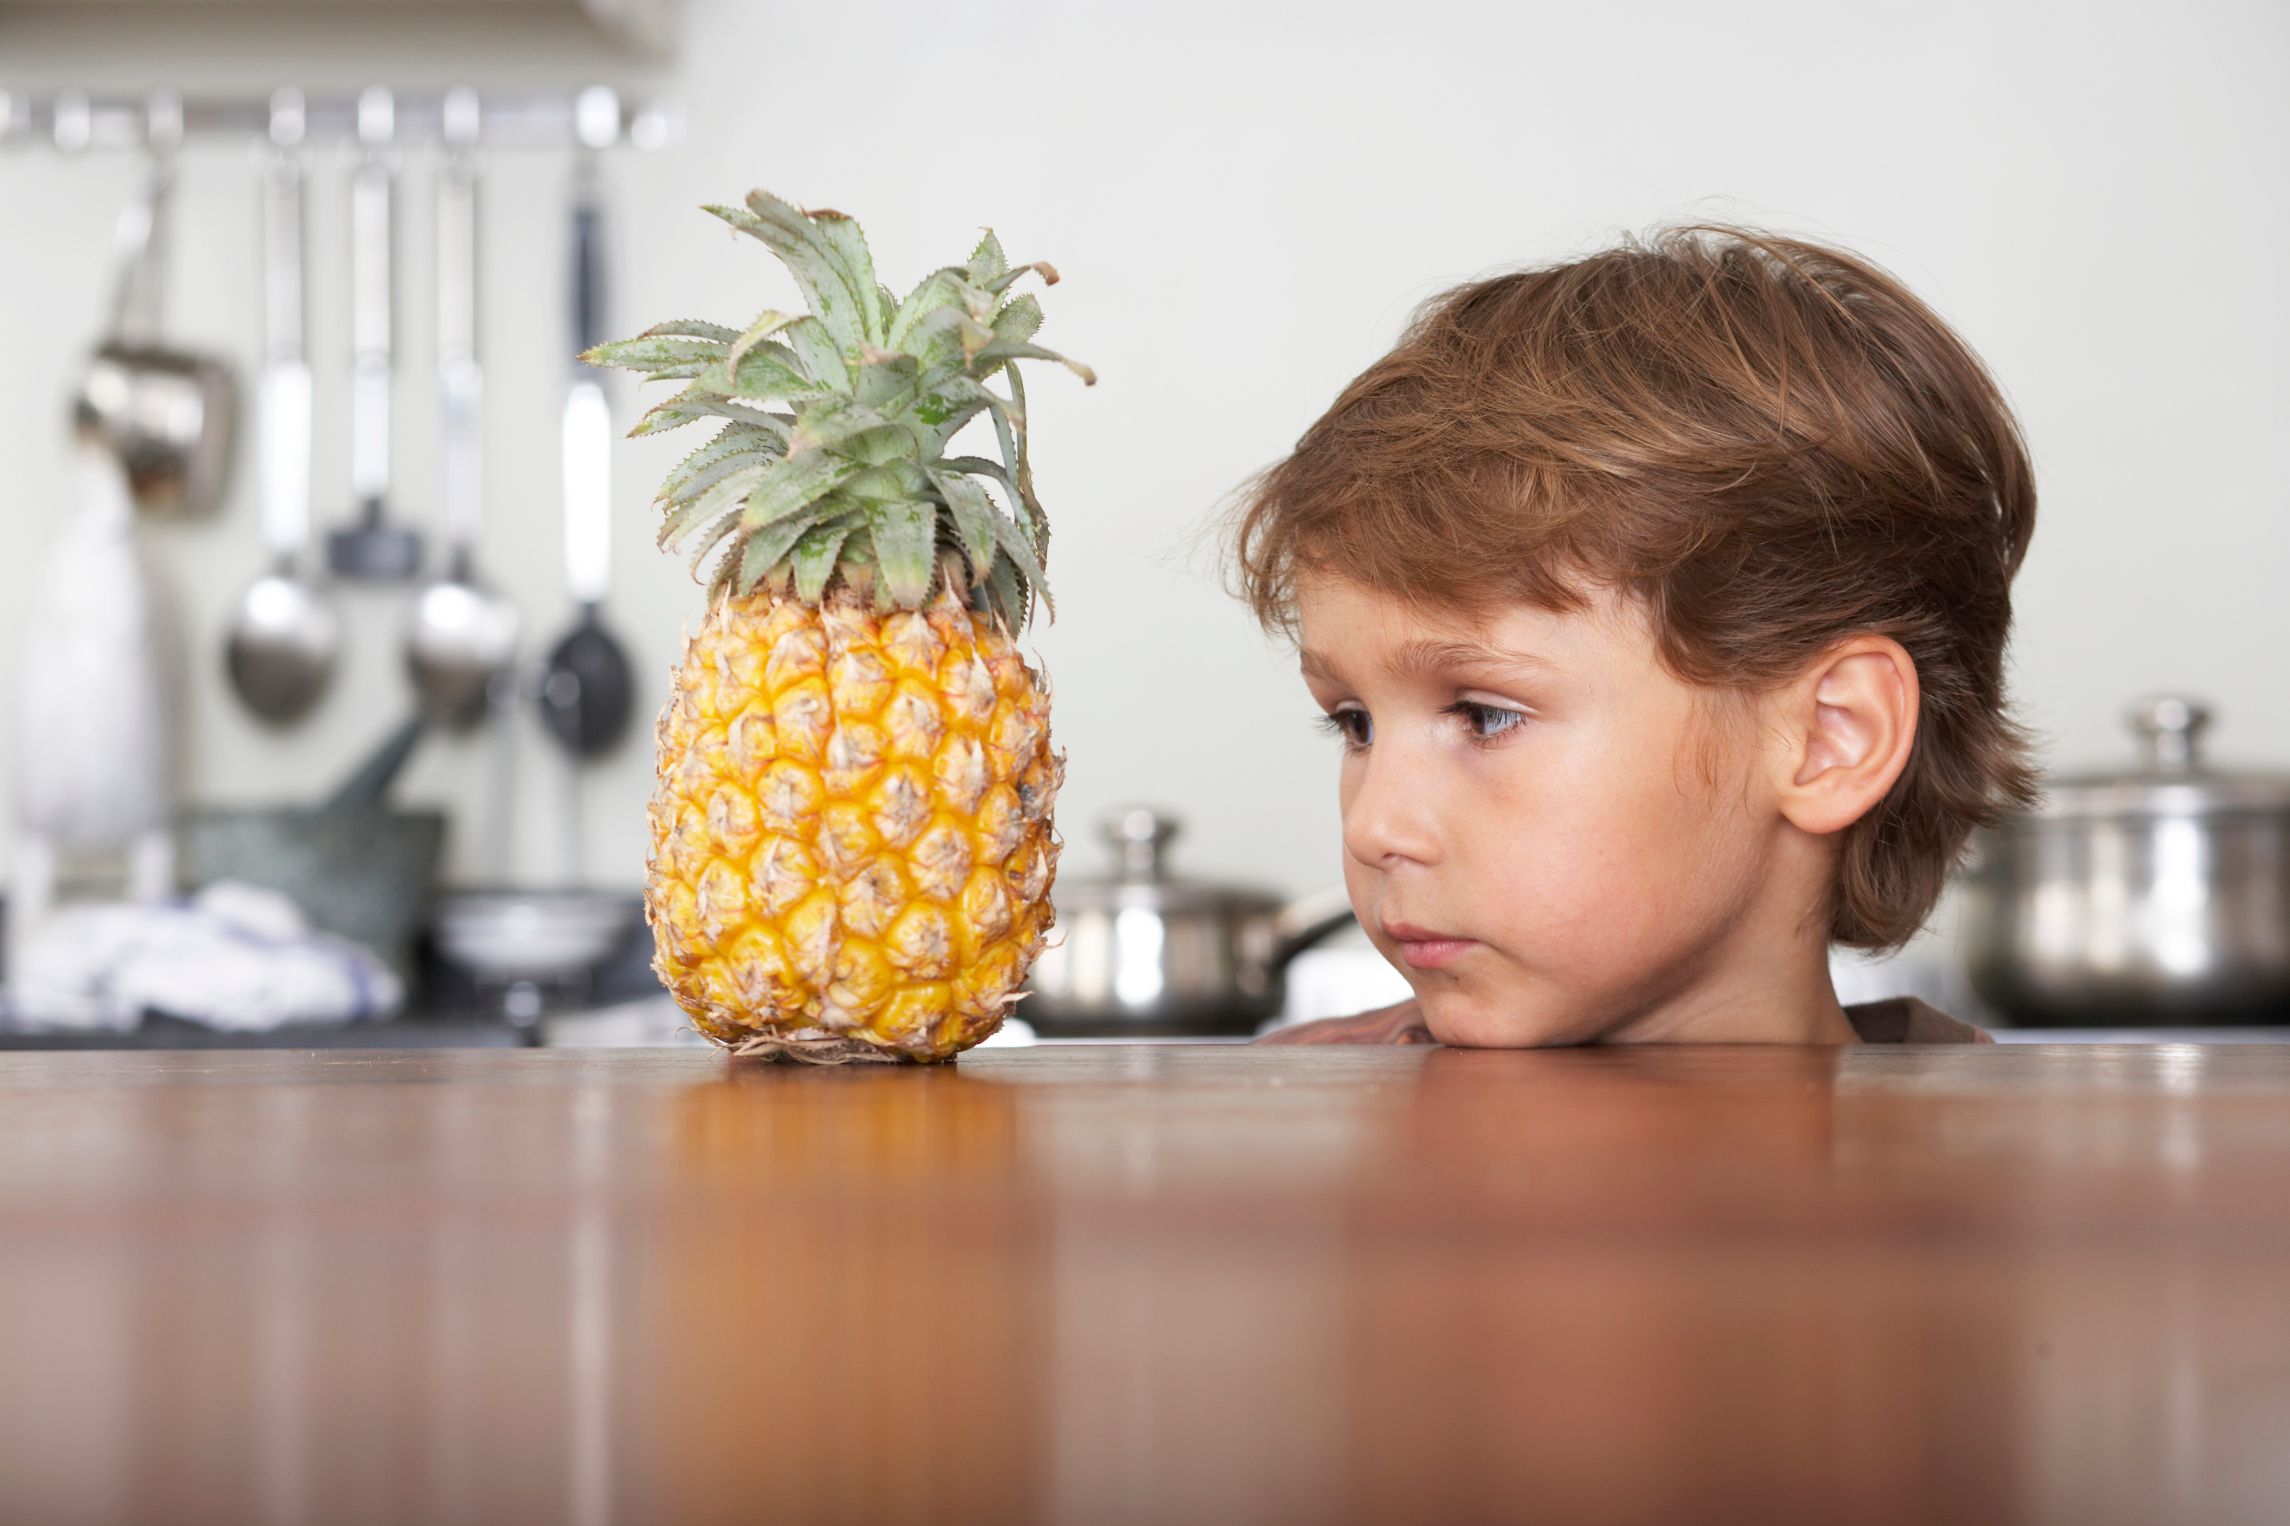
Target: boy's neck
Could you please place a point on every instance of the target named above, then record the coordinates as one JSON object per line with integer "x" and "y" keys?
{"x": 1776, "y": 1015}
{"x": 1767, "y": 982}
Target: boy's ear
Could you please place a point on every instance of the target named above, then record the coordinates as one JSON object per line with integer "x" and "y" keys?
{"x": 1844, "y": 727}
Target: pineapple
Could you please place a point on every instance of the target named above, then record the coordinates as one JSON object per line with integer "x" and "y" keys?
{"x": 852, "y": 843}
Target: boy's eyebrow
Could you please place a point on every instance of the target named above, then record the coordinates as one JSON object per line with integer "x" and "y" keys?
{"x": 1415, "y": 658}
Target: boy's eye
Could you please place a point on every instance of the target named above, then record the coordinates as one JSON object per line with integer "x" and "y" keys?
{"x": 1353, "y": 726}
{"x": 1487, "y": 721}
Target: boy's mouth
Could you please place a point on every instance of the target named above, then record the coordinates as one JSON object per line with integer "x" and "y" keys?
{"x": 1423, "y": 948}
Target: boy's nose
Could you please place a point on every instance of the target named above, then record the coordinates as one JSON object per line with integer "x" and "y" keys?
{"x": 1388, "y": 816}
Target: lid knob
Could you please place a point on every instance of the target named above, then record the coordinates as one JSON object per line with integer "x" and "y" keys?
{"x": 2170, "y": 728}
{"x": 1138, "y": 834}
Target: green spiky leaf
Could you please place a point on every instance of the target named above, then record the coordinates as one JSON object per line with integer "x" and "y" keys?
{"x": 886, "y": 482}
{"x": 708, "y": 539}
{"x": 905, "y": 537}
{"x": 1018, "y": 320}
{"x": 672, "y": 414}
{"x": 836, "y": 238}
{"x": 979, "y": 466}
{"x": 846, "y": 245}
{"x": 886, "y": 381}
{"x": 1009, "y": 278}
{"x": 820, "y": 353}
{"x": 974, "y": 513}
{"x": 695, "y": 403}
{"x": 679, "y": 522}
{"x": 838, "y": 420}
{"x": 684, "y": 518}
{"x": 987, "y": 260}
{"x": 767, "y": 373}
{"x": 769, "y": 322}
{"x": 1015, "y": 545}
{"x": 736, "y": 446}
{"x": 948, "y": 286}
{"x": 998, "y": 353}
{"x": 821, "y": 286}
{"x": 817, "y": 553}
{"x": 1009, "y": 433}
{"x": 1022, "y": 473}
{"x": 726, "y": 495}
{"x": 657, "y": 357}
{"x": 818, "y": 270}
{"x": 794, "y": 485}
{"x": 688, "y": 328}
{"x": 722, "y": 580}
{"x": 832, "y": 421}
{"x": 948, "y": 341}
{"x": 1009, "y": 593}
{"x": 942, "y": 410}
{"x": 762, "y": 551}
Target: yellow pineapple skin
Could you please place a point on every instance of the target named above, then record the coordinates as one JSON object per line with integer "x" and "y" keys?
{"x": 852, "y": 843}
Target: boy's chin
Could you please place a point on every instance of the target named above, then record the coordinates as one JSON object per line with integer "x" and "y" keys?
{"x": 1470, "y": 1020}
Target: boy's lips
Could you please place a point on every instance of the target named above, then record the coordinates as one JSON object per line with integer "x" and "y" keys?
{"x": 1423, "y": 947}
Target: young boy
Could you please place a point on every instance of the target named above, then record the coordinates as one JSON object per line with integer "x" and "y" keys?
{"x": 1658, "y": 601}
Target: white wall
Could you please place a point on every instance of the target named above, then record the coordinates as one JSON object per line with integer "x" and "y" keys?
{"x": 1245, "y": 202}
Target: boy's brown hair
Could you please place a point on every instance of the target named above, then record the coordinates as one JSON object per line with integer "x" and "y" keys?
{"x": 1769, "y": 443}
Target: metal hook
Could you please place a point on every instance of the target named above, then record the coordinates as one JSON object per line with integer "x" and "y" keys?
{"x": 289, "y": 118}
{"x": 461, "y": 117}
{"x": 377, "y": 116}
{"x": 73, "y": 125}
{"x": 163, "y": 122}
{"x": 596, "y": 117}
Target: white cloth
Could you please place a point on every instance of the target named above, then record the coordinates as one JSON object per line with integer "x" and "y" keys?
{"x": 94, "y": 739}
{"x": 233, "y": 957}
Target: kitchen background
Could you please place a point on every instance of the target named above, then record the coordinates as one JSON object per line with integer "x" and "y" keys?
{"x": 1245, "y": 202}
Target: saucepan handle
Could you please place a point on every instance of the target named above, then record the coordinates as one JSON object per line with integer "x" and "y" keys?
{"x": 1309, "y": 920}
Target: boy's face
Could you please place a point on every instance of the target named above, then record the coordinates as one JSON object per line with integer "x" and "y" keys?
{"x": 1546, "y": 832}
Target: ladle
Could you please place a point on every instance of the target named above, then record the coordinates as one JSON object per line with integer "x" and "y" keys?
{"x": 372, "y": 548}
{"x": 588, "y": 694}
{"x": 285, "y": 641}
{"x": 463, "y": 632}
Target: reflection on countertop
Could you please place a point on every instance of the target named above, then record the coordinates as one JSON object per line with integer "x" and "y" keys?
{"x": 1128, "y": 1283}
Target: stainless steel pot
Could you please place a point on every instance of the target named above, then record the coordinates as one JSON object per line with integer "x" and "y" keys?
{"x": 1142, "y": 953}
{"x": 2158, "y": 896}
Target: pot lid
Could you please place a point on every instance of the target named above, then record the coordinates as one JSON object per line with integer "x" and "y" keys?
{"x": 1140, "y": 837}
{"x": 2172, "y": 777}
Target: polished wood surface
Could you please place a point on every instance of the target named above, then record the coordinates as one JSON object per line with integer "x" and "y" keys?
{"x": 1154, "y": 1284}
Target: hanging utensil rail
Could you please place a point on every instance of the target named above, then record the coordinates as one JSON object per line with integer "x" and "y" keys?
{"x": 73, "y": 120}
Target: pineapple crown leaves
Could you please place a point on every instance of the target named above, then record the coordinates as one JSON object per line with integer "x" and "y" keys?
{"x": 831, "y": 456}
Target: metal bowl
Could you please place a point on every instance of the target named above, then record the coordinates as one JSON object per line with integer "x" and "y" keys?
{"x": 532, "y": 937}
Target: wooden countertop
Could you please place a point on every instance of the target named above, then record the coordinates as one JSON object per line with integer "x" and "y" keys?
{"x": 1154, "y": 1284}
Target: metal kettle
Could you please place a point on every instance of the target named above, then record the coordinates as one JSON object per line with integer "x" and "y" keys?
{"x": 1143, "y": 953}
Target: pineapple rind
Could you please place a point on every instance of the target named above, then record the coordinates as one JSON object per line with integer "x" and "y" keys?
{"x": 852, "y": 840}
